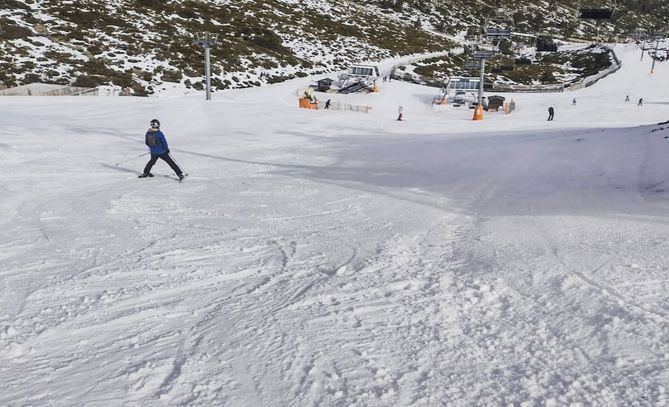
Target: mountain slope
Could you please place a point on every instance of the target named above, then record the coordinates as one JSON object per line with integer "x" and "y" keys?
{"x": 143, "y": 43}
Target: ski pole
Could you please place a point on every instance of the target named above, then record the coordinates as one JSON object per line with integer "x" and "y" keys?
{"x": 177, "y": 163}
{"x": 133, "y": 158}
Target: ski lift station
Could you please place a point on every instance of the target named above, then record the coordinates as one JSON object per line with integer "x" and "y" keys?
{"x": 364, "y": 71}
{"x": 358, "y": 78}
{"x": 461, "y": 89}
{"x": 462, "y": 83}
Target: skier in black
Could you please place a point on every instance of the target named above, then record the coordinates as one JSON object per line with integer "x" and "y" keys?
{"x": 640, "y": 102}
{"x": 627, "y": 98}
{"x": 155, "y": 140}
{"x": 328, "y": 103}
{"x": 551, "y": 113}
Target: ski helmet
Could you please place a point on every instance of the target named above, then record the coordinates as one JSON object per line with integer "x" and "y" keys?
{"x": 155, "y": 123}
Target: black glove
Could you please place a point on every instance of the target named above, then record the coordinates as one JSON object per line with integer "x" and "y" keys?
{"x": 168, "y": 151}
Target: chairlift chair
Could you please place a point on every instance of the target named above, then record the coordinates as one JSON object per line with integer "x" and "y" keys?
{"x": 485, "y": 48}
{"x": 499, "y": 25}
{"x": 472, "y": 65}
{"x": 639, "y": 35}
{"x": 206, "y": 38}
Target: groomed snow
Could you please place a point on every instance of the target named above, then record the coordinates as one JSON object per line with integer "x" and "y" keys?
{"x": 329, "y": 258}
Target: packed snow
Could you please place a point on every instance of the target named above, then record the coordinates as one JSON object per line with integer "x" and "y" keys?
{"x": 334, "y": 258}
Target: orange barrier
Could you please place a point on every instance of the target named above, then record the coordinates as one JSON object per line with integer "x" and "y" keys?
{"x": 478, "y": 113}
{"x": 305, "y": 103}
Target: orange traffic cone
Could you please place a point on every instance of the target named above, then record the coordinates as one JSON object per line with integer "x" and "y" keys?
{"x": 478, "y": 113}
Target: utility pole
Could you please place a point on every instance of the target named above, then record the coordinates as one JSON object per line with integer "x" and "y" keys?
{"x": 480, "y": 102}
{"x": 207, "y": 40}
{"x": 481, "y": 55}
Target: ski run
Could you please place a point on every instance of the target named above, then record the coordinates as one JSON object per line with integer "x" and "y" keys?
{"x": 335, "y": 258}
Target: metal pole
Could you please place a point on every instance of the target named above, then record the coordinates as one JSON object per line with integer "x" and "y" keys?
{"x": 207, "y": 70}
{"x": 130, "y": 159}
{"x": 481, "y": 84}
{"x": 643, "y": 49}
{"x": 652, "y": 68}
{"x": 207, "y": 41}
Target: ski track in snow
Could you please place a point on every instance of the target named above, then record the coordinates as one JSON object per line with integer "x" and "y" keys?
{"x": 336, "y": 260}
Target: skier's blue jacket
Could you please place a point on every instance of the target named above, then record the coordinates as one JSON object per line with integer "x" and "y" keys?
{"x": 155, "y": 140}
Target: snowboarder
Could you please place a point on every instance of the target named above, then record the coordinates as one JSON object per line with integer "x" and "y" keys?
{"x": 551, "y": 113}
{"x": 328, "y": 103}
{"x": 627, "y": 98}
{"x": 155, "y": 140}
{"x": 640, "y": 102}
{"x": 401, "y": 111}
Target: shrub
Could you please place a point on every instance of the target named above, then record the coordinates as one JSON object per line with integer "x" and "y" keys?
{"x": 88, "y": 81}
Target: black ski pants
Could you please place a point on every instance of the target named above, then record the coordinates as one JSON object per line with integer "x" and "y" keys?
{"x": 165, "y": 157}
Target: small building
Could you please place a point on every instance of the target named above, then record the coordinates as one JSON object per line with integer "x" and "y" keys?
{"x": 495, "y": 102}
{"x": 546, "y": 44}
{"x": 323, "y": 85}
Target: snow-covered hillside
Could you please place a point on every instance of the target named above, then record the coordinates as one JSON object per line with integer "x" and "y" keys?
{"x": 142, "y": 44}
{"x": 331, "y": 258}
{"x": 146, "y": 44}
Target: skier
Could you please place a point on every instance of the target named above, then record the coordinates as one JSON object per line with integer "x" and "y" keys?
{"x": 551, "y": 113}
{"x": 573, "y": 102}
{"x": 640, "y": 102}
{"x": 155, "y": 140}
{"x": 401, "y": 111}
{"x": 328, "y": 103}
{"x": 627, "y": 98}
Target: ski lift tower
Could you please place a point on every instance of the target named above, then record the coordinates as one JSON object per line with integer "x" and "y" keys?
{"x": 640, "y": 35}
{"x": 659, "y": 37}
{"x": 485, "y": 50}
{"x": 207, "y": 40}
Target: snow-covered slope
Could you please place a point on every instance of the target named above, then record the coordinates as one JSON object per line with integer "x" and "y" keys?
{"x": 329, "y": 258}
